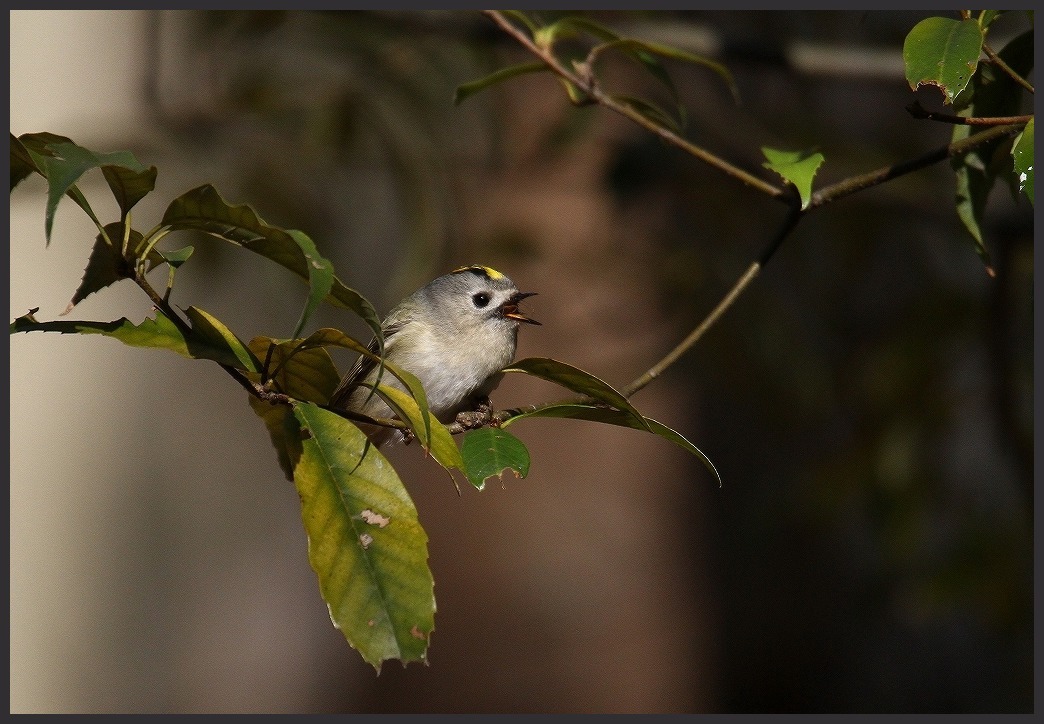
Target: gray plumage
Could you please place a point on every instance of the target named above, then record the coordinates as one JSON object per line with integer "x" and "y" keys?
{"x": 455, "y": 335}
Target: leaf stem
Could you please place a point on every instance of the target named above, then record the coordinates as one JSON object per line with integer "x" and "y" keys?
{"x": 164, "y": 307}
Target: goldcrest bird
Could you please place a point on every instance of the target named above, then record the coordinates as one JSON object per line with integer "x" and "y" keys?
{"x": 454, "y": 335}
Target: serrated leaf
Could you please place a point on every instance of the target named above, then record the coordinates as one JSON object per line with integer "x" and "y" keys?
{"x": 490, "y": 451}
{"x": 129, "y": 186}
{"x": 577, "y": 380}
{"x": 796, "y": 167}
{"x": 160, "y": 332}
{"x": 605, "y": 415}
{"x": 467, "y": 90}
{"x": 942, "y": 52}
{"x": 1022, "y": 159}
{"x": 203, "y": 209}
{"x": 105, "y": 265}
{"x": 365, "y": 541}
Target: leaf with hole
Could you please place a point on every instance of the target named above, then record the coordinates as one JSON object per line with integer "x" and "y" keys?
{"x": 944, "y": 53}
{"x": 489, "y": 451}
{"x": 365, "y": 541}
{"x": 1022, "y": 158}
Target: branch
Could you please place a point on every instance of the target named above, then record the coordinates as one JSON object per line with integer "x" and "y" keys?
{"x": 873, "y": 178}
{"x": 162, "y": 305}
{"x": 999, "y": 62}
{"x": 589, "y": 86}
{"x": 918, "y": 111}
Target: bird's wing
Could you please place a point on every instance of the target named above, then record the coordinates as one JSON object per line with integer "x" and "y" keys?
{"x": 362, "y": 367}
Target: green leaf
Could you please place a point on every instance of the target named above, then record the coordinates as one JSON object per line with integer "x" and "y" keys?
{"x": 105, "y": 265}
{"x": 605, "y": 415}
{"x": 176, "y": 257}
{"x": 796, "y": 167}
{"x": 1022, "y": 157}
{"x": 522, "y": 18}
{"x": 209, "y": 339}
{"x": 283, "y": 430}
{"x": 431, "y": 433}
{"x": 570, "y": 26}
{"x": 469, "y": 89}
{"x": 489, "y": 451}
{"x": 23, "y": 152}
{"x": 943, "y": 52}
{"x": 320, "y": 276}
{"x": 216, "y": 336}
{"x": 365, "y": 541}
{"x": 575, "y": 379}
{"x": 129, "y": 186}
{"x": 992, "y": 93}
{"x": 65, "y": 167}
{"x": 328, "y": 337}
{"x": 159, "y": 332}
{"x": 306, "y": 374}
{"x": 972, "y": 188}
{"x": 640, "y": 50}
{"x": 203, "y": 209}
{"x": 986, "y": 17}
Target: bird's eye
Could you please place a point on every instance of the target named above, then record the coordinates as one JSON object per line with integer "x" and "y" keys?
{"x": 480, "y": 299}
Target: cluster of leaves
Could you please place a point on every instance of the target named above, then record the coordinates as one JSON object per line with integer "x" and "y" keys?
{"x": 366, "y": 543}
{"x": 938, "y": 51}
{"x": 947, "y": 53}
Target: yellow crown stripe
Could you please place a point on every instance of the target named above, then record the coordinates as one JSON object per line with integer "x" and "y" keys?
{"x": 486, "y": 271}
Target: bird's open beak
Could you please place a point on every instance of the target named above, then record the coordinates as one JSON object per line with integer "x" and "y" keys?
{"x": 510, "y": 308}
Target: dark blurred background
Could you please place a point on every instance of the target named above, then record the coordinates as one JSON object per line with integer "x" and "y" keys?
{"x": 867, "y": 401}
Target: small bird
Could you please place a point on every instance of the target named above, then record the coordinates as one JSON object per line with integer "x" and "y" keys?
{"x": 455, "y": 335}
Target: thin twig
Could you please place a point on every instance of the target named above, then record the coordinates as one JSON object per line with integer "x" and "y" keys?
{"x": 587, "y": 84}
{"x": 999, "y": 62}
{"x": 916, "y": 110}
{"x": 164, "y": 307}
{"x": 864, "y": 181}
{"x": 791, "y": 221}
{"x": 823, "y": 196}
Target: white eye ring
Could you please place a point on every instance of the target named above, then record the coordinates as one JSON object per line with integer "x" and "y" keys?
{"x": 480, "y": 299}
